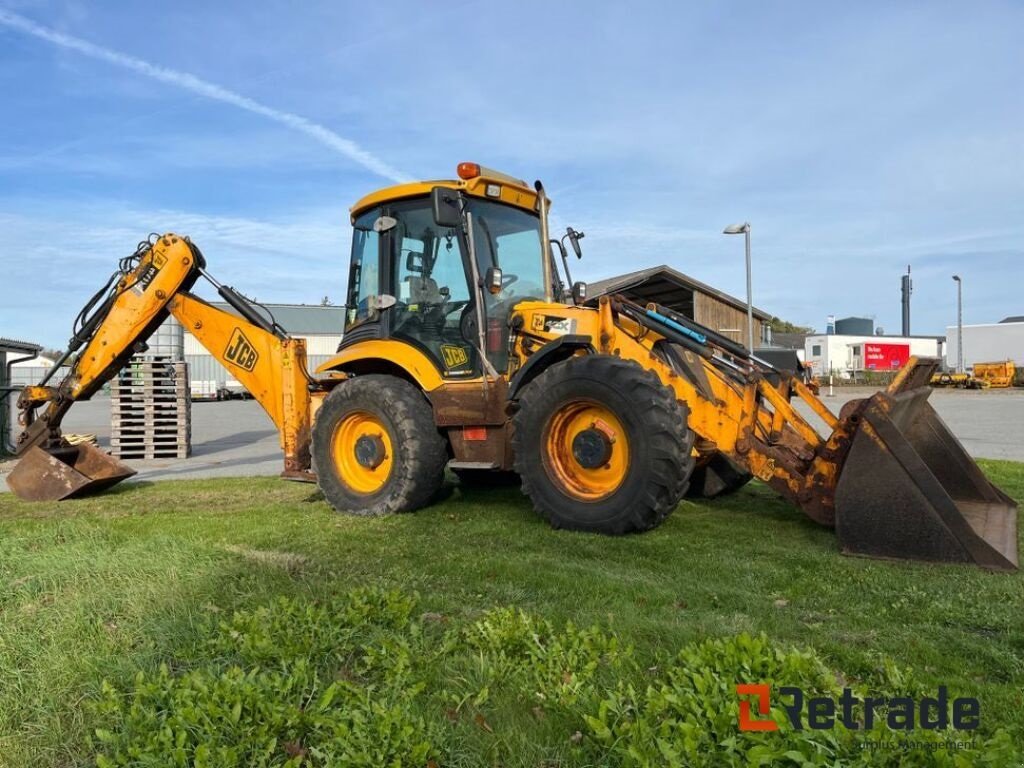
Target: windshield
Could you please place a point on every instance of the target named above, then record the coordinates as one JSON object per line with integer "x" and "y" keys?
{"x": 509, "y": 238}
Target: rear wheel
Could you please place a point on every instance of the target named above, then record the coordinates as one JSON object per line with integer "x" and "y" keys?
{"x": 375, "y": 447}
{"x": 602, "y": 445}
{"x": 718, "y": 477}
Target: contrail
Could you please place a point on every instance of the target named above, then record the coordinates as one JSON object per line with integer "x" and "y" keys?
{"x": 324, "y": 135}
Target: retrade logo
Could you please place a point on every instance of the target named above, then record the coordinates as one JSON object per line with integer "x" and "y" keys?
{"x": 762, "y": 693}
{"x": 900, "y": 713}
{"x": 240, "y": 351}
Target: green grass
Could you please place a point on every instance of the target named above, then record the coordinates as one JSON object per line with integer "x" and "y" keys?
{"x": 100, "y": 588}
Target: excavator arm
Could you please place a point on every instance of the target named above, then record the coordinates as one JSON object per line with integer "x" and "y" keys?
{"x": 149, "y": 286}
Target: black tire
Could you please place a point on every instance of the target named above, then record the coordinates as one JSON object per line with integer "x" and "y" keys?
{"x": 660, "y": 445}
{"x": 486, "y": 478}
{"x": 717, "y": 477}
{"x": 419, "y": 451}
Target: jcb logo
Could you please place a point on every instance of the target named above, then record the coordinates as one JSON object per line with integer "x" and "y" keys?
{"x": 454, "y": 356}
{"x": 240, "y": 351}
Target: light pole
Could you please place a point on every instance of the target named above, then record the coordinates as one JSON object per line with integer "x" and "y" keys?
{"x": 735, "y": 229}
{"x": 959, "y": 324}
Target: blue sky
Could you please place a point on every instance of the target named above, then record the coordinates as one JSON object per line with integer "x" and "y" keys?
{"x": 855, "y": 137}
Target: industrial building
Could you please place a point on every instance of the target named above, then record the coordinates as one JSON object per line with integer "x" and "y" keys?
{"x": 988, "y": 343}
{"x": 854, "y": 346}
{"x": 11, "y": 352}
{"x": 689, "y": 297}
{"x": 320, "y": 326}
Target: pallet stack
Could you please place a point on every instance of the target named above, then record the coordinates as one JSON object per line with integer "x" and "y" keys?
{"x": 151, "y": 411}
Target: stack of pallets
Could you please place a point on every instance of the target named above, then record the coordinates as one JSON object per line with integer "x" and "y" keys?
{"x": 151, "y": 411}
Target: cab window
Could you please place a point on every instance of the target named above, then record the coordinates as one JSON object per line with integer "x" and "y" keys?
{"x": 364, "y": 270}
{"x": 431, "y": 288}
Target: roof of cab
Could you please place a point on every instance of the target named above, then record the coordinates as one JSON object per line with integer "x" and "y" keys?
{"x": 510, "y": 192}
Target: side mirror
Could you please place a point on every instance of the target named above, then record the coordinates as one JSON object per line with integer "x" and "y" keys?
{"x": 492, "y": 280}
{"x": 445, "y": 202}
{"x": 579, "y": 293}
{"x": 574, "y": 241}
{"x": 414, "y": 262}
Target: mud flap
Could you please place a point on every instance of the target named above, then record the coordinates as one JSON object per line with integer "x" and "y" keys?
{"x": 909, "y": 490}
{"x": 61, "y": 473}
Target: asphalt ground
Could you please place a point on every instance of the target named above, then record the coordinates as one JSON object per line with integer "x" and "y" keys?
{"x": 237, "y": 439}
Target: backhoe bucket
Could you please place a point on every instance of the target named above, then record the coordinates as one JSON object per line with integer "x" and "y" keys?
{"x": 909, "y": 490}
{"x": 64, "y": 472}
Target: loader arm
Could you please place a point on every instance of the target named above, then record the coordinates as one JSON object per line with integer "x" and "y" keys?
{"x": 151, "y": 285}
{"x": 886, "y": 473}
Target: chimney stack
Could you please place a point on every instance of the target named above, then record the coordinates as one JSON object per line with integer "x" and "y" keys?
{"x": 906, "y": 287}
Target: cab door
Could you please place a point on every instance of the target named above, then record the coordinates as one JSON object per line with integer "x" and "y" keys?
{"x": 429, "y": 280}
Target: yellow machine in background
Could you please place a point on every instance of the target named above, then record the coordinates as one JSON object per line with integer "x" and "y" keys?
{"x": 466, "y": 348}
{"x": 956, "y": 381}
{"x": 996, "y": 375}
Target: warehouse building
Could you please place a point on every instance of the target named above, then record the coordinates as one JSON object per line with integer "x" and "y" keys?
{"x": 11, "y": 351}
{"x": 988, "y": 343}
{"x": 855, "y": 346}
{"x": 320, "y": 326}
{"x": 689, "y": 297}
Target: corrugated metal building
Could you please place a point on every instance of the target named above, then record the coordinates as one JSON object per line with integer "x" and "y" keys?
{"x": 10, "y": 351}
{"x": 689, "y": 297}
{"x": 988, "y": 343}
{"x": 320, "y": 326}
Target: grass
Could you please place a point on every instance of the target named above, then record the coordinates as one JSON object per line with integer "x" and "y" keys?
{"x": 100, "y": 588}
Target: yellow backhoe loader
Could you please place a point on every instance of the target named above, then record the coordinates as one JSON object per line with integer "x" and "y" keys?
{"x": 465, "y": 347}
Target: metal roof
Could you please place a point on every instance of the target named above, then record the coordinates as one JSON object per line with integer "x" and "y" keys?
{"x": 666, "y": 286}
{"x": 1012, "y": 319}
{"x": 788, "y": 340}
{"x": 303, "y": 319}
{"x": 13, "y": 345}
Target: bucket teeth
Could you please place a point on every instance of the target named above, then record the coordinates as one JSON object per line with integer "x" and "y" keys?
{"x": 60, "y": 473}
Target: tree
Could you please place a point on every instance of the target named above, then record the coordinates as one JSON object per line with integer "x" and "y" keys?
{"x": 778, "y": 325}
{"x": 326, "y": 302}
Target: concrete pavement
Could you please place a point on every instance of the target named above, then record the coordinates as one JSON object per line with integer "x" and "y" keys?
{"x": 237, "y": 439}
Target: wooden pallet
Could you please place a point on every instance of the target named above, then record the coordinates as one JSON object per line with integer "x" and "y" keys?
{"x": 151, "y": 410}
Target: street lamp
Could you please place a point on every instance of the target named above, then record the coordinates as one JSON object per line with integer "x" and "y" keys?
{"x": 744, "y": 229}
{"x": 959, "y": 324}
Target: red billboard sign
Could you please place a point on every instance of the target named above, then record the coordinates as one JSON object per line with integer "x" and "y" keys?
{"x": 885, "y": 357}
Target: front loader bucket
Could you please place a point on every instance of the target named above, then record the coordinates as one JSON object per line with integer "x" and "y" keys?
{"x": 909, "y": 490}
{"x": 60, "y": 473}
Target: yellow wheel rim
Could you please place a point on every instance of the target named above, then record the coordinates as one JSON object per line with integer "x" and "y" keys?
{"x": 362, "y": 452}
{"x": 586, "y": 450}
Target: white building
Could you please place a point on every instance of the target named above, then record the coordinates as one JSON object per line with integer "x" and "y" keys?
{"x": 844, "y": 355}
{"x": 25, "y": 372}
{"x": 989, "y": 343}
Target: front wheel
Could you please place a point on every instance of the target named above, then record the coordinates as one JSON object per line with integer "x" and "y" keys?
{"x": 375, "y": 447}
{"x": 602, "y": 445}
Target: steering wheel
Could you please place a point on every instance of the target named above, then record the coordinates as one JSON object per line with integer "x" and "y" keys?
{"x": 507, "y": 280}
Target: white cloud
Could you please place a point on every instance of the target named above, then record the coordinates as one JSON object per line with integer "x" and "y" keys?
{"x": 324, "y": 135}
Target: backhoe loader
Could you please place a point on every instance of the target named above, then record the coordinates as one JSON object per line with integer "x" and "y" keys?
{"x": 465, "y": 348}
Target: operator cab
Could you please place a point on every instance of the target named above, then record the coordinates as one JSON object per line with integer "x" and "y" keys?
{"x": 411, "y": 277}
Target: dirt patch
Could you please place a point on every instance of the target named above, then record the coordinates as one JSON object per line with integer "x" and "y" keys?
{"x": 290, "y": 561}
